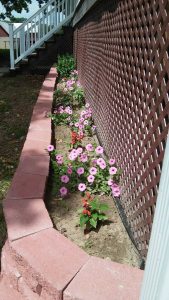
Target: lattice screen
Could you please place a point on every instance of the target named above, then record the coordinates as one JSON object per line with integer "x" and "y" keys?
{"x": 122, "y": 52}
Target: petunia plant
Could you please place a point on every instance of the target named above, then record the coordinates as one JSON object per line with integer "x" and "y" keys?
{"x": 89, "y": 171}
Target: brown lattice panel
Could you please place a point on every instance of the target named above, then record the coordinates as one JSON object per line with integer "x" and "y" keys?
{"x": 122, "y": 52}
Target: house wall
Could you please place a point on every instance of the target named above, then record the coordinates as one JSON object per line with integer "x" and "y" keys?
{"x": 122, "y": 54}
{"x": 4, "y": 43}
{"x": 3, "y": 33}
{"x": 4, "y": 39}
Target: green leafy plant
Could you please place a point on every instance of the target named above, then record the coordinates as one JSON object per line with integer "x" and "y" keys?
{"x": 59, "y": 119}
{"x": 77, "y": 96}
{"x": 93, "y": 212}
{"x": 65, "y": 65}
{"x": 60, "y": 97}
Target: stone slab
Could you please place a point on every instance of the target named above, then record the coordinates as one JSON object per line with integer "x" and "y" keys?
{"x": 35, "y": 147}
{"x": 40, "y": 123}
{"x": 49, "y": 257}
{"x": 34, "y": 164}
{"x": 7, "y": 292}
{"x": 39, "y": 135}
{"x": 25, "y": 186}
{"x": 105, "y": 280}
{"x": 25, "y": 217}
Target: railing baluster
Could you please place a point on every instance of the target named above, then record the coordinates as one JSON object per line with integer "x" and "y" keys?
{"x": 31, "y": 35}
{"x": 47, "y": 21}
{"x": 43, "y": 24}
{"x": 17, "y": 45}
{"x": 39, "y": 29}
{"x": 50, "y": 17}
{"x": 70, "y": 6}
{"x": 12, "y": 58}
{"x": 55, "y": 14}
{"x": 58, "y": 11}
{"x": 62, "y": 10}
{"x": 35, "y": 38}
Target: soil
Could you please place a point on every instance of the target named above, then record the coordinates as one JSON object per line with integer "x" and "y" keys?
{"x": 111, "y": 240}
{"x": 17, "y": 97}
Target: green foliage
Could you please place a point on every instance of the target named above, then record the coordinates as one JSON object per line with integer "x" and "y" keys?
{"x": 74, "y": 97}
{"x": 77, "y": 96}
{"x": 59, "y": 119}
{"x": 60, "y": 97}
{"x": 65, "y": 65}
{"x": 93, "y": 213}
{"x": 18, "y": 6}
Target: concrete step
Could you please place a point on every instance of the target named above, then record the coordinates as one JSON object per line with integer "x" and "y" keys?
{"x": 101, "y": 279}
{"x": 33, "y": 55}
{"x": 7, "y": 292}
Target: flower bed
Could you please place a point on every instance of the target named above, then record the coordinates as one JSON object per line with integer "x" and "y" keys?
{"x": 84, "y": 180}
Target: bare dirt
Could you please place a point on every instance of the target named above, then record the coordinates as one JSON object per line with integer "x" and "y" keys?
{"x": 111, "y": 240}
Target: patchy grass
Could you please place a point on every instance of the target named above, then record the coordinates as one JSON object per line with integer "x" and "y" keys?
{"x": 17, "y": 98}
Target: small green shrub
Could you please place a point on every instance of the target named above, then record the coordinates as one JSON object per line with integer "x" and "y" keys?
{"x": 65, "y": 65}
{"x": 93, "y": 212}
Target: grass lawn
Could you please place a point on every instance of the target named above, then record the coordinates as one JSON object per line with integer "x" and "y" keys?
{"x": 17, "y": 98}
{"x": 4, "y": 57}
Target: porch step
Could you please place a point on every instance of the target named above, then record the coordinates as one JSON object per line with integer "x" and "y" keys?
{"x": 32, "y": 55}
{"x": 41, "y": 48}
{"x": 44, "y": 56}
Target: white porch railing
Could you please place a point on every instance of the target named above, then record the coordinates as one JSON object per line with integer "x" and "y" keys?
{"x": 39, "y": 28}
{"x": 156, "y": 276}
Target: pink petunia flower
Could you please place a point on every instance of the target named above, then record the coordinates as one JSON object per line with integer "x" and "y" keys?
{"x": 79, "y": 150}
{"x": 102, "y": 166}
{"x": 90, "y": 178}
{"x": 99, "y": 150}
{"x": 86, "y": 122}
{"x": 94, "y": 162}
{"x": 83, "y": 157}
{"x": 81, "y": 187}
{"x": 112, "y": 170}
{"x": 89, "y": 147}
{"x": 59, "y": 156}
{"x": 65, "y": 178}
{"x": 87, "y": 105}
{"x": 73, "y": 154}
{"x": 80, "y": 171}
{"x": 116, "y": 191}
{"x": 69, "y": 171}
{"x": 110, "y": 182}
{"x": 50, "y": 148}
{"x": 81, "y": 120}
{"x": 63, "y": 191}
{"x": 76, "y": 124}
{"x": 112, "y": 161}
{"x": 100, "y": 161}
{"x": 83, "y": 112}
{"x": 93, "y": 171}
{"x": 60, "y": 161}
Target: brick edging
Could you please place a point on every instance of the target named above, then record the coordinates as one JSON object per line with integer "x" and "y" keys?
{"x": 38, "y": 261}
